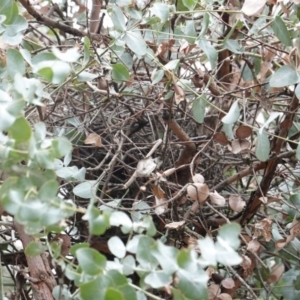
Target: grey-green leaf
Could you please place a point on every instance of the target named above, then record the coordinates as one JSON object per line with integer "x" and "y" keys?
{"x": 209, "y": 51}
{"x": 262, "y": 146}
{"x": 198, "y": 108}
{"x": 281, "y": 31}
{"x": 286, "y": 75}
{"x": 15, "y": 63}
{"x": 233, "y": 114}
{"x": 136, "y": 42}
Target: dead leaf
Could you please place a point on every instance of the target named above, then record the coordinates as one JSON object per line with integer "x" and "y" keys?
{"x": 295, "y": 229}
{"x": 264, "y": 228}
{"x": 236, "y": 203}
{"x": 217, "y": 199}
{"x": 224, "y": 296}
{"x": 198, "y": 81}
{"x": 213, "y": 291}
{"x": 276, "y": 274}
{"x": 198, "y": 192}
{"x": 253, "y": 7}
{"x": 186, "y": 48}
{"x": 160, "y": 205}
{"x": 198, "y": 178}
{"x": 93, "y": 139}
{"x": 279, "y": 244}
{"x": 253, "y": 246}
{"x": 175, "y": 225}
{"x": 239, "y": 146}
{"x": 221, "y": 138}
{"x": 179, "y": 93}
{"x": 228, "y": 283}
{"x": 243, "y": 132}
{"x": 246, "y": 264}
{"x": 146, "y": 166}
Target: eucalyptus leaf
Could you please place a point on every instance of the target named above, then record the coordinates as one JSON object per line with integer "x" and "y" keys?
{"x": 262, "y": 149}
{"x": 233, "y": 114}
{"x": 284, "y": 76}
{"x": 281, "y": 31}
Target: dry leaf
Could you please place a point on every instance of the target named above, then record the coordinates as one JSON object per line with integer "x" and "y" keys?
{"x": 253, "y": 7}
{"x": 279, "y": 244}
{"x": 243, "y": 132}
{"x": 217, "y": 199}
{"x": 179, "y": 93}
{"x": 93, "y": 139}
{"x": 228, "y": 283}
{"x": 295, "y": 229}
{"x": 276, "y": 274}
{"x": 198, "y": 81}
{"x": 246, "y": 264}
{"x": 239, "y": 146}
{"x": 221, "y": 138}
{"x": 198, "y": 178}
{"x": 198, "y": 192}
{"x": 224, "y": 296}
{"x": 160, "y": 200}
{"x": 146, "y": 166}
{"x": 236, "y": 203}
{"x": 175, "y": 225}
{"x": 264, "y": 228}
{"x": 253, "y": 246}
{"x": 213, "y": 291}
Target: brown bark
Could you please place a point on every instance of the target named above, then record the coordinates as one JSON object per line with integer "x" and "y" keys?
{"x": 95, "y": 13}
{"x": 40, "y": 275}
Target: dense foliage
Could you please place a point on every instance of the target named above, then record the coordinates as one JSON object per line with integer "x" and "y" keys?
{"x": 149, "y": 149}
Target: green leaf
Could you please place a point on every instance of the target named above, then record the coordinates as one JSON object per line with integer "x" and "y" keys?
{"x": 286, "y": 75}
{"x": 166, "y": 256}
{"x": 116, "y": 247}
{"x": 113, "y": 294}
{"x": 233, "y": 115}
{"x": 90, "y": 261}
{"x": 119, "y": 218}
{"x": 198, "y": 108}
{"x": 120, "y": 73}
{"x": 230, "y": 234}
{"x": 117, "y": 18}
{"x": 20, "y": 130}
{"x": 209, "y": 51}
{"x": 226, "y": 255}
{"x": 15, "y": 63}
{"x": 75, "y": 247}
{"x": 172, "y": 64}
{"x": 136, "y": 42}
{"x": 98, "y": 221}
{"x": 95, "y": 289}
{"x": 48, "y": 190}
{"x": 193, "y": 285}
{"x": 208, "y": 251}
{"x": 34, "y": 249}
{"x": 61, "y": 147}
{"x": 86, "y": 76}
{"x": 190, "y": 32}
{"x": 160, "y": 10}
{"x": 157, "y": 76}
{"x": 86, "y": 49}
{"x": 233, "y": 46}
{"x": 262, "y": 149}
{"x": 85, "y": 189}
{"x": 298, "y": 152}
{"x": 281, "y": 31}
{"x": 70, "y": 55}
{"x": 205, "y": 24}
{"x": 158, "y": 279}
{"x": 190, "y": 4}
{"x": 53, "y": 71}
